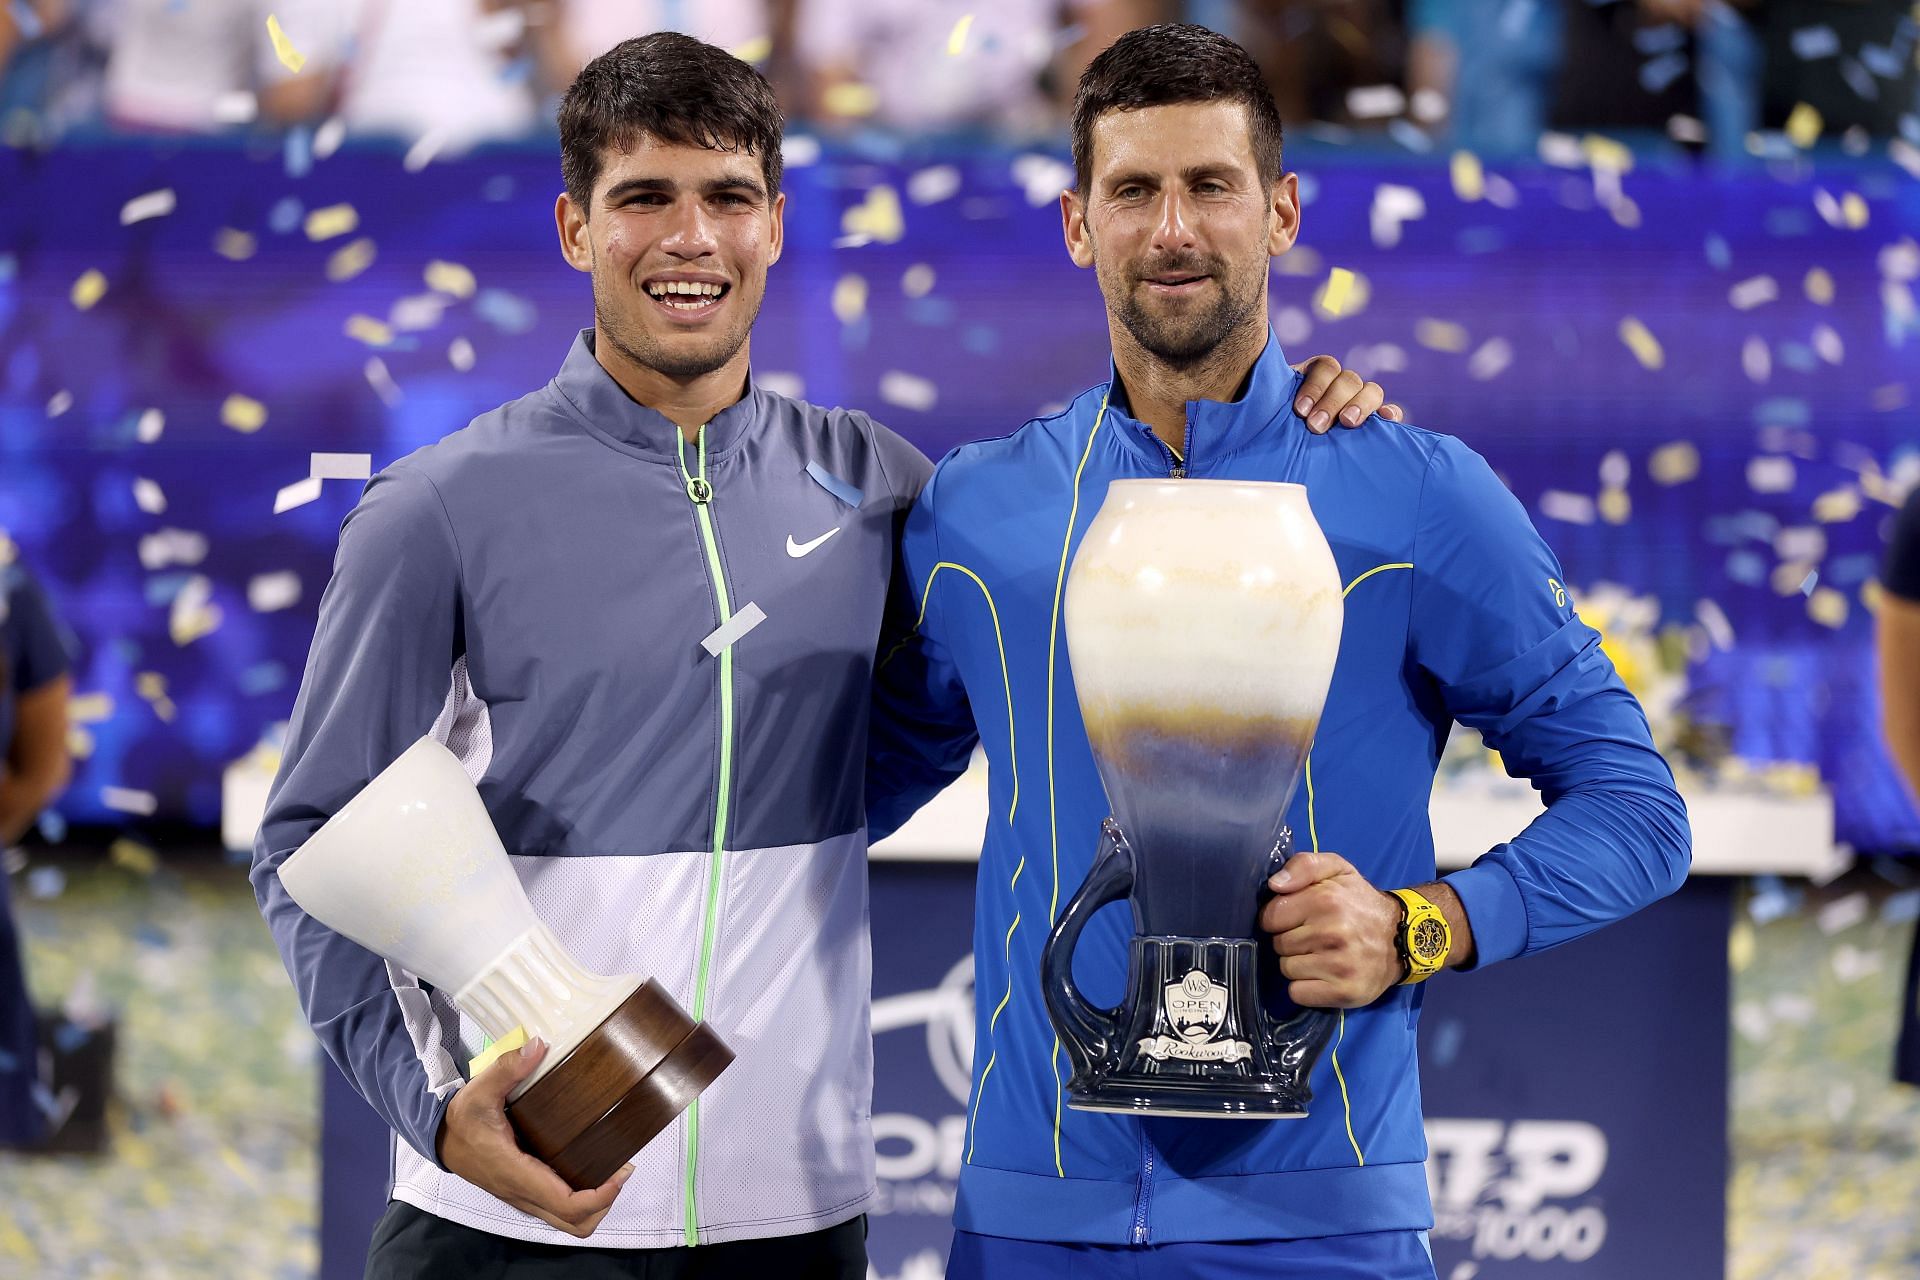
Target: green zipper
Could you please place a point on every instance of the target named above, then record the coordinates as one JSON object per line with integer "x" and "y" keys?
{"x": 701, "y": 493}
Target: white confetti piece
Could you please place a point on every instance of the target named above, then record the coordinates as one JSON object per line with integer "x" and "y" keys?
{"x": 1851, "y": 964}
{"x": 297, "y": 494}
{"x": 1756, "y": 358}
{"x": 917, "y": 280}
{"x": 1492, "y": 359}
{"x": 148, "y": 496}
{"x": 1713, "y": 620}
{"x": 1615, "y": 469}
{"x": 1393, "y": 207}
{"x": 154, "y": 204}
{"x": 382, "y": 382}
{"x": 1800, "y": 542}
{"x": 424, "y": 149}
{"x": 781, "y": 383}
{"x": 152, "y": 422}
{"x": 271, "y": 592}
{"x": 1440, "y": 335}
{"x": 1043, "y": 178}
{"x": 1292, "y": 326}
{"x": 1771, "y": 475}
{"x": 341, "y": 466}
{"x": 236, "y": 106}
{"x": 127, "y": 800}
{"x": 59, "y": 402}
{"x": 460, "y": 354}
{"x": 1376, "y": 102}
{"x": 1753, "y": 292}
{"x": 730, "y": 631}
{"x": 908, "y": 391}
{"x": 1570, "y": 508}
{"x": 1791, "y": 1008}
{"x": 1562, "y": 150}
{"x": 1751, "y": 1021}
{"x": 417, "y": 312}
{"x": 798, "y": 150}
{"x": 164, "y": 548}
{"x": 932, "y": 185}
{"x": 1827, "y": 345}
{"x": 1842, "y": 913}
{"x": 328, "y": 137}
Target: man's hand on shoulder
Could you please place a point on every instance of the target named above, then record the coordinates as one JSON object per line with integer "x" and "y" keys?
{"x": 1335, "y": 933}
{"x": 477, "y": 1143}
{"x": 1331, "y": 394}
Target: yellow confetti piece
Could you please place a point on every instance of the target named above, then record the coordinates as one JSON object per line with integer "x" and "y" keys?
{"x": 150, "y": 685}
{"x": 234, "y": 246}
{"x": 90, "y": 708}
{"x": 1615, "y": 506}
{"x": 849, "y": 298}
{"x": 1441, "y": 335}
{"x": 1803, "y": 125}
{"x": 1853, "y": 210}
{"x": 1741, "y": 946}
{"x": 1871, "y": 595}
{"x": 15, "y": 1242}
{"x": 1837, "y": 506}
{"x": 1345, "y": 293}
{"x": 350, "y": 259}
{"x": 134, "y": 856}
{"x": 758, "y": 49}
{"x": 851, "y": 99}
{"x": 1675, "y": 463}
{"x": 1607, "y": 153}
{"x": 957, "y": 38}
{"x": 79, "y": 742}
{"x": 1469, "y": 179}
{"x": 89, "y": 289}
{"x": 364, "y": 328}
{"x": 1640, "y": 341}
{"x": 1819, "y": 286}
{"x": 333, "y": 220}
{"x": 239, "y": 1167}
{"x": 450, "y": 278}
{"x": 243, "y": 413}
{"x": 290, "y": 58}
{"x": 878, "y": 217}
{"x": 1827, "y": 607}
{"x": 494, "y": 1052}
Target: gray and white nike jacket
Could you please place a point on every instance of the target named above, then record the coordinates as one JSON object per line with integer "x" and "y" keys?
{"x": 534, "y": 591}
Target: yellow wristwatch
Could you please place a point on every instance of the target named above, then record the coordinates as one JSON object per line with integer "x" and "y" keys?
{"x": 1424, "y": 938}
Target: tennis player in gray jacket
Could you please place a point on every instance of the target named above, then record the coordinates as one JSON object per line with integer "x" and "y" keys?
{"x": 641, "y": 604}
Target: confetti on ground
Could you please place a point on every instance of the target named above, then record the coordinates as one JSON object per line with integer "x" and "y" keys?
{"x": 331, "y": 221}
{"x": 154, "y": 204}
{"x": 957, "y": 38}
{"x": 450, "y": 278}
{"x": 350, "y": 260}
{"x": 1640, "y": 341}
{"x": 243, "y": 413}
{"x": 89, "y": 289}
{"x": 290, "y": 58}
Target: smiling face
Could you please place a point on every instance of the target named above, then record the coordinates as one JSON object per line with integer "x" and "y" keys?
{"x": 1179, "y": 227}
{"x": 678, "y": 241}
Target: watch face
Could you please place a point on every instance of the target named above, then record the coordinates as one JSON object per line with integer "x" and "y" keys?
{"x": 1428, "y": 941}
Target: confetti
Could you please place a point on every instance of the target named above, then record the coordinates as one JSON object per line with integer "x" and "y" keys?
{"x": 1837, "y": 506}
{"x": 849, "y": 298}
{"x": 243, "y": 413}
{"x": 1376, "y": 101}
{"x": 152, "y": 422}
{"x": 1469, "y": 181}
{"x": 331, "y": 221}
{"x": 328, "y": 137}
{"x": 1819, "y": 286}
{"x": 59, "y": 403}
{"x": 1756, "y": 360}
{"x": 297, "y": 494}
{"x": 1343, "y": 293}
{"x": 89, "y": 289}
{"x": 148, "y": 496}
{"x": 1803, "y": 125}
{"x": 1842, "y": 913}
{"x": 908, "y": 391}
{"x": 350, "y": 260}
{"x": 1771, "y": 475}
{"x": 193, "y": 613}
{"x": 932, "y": 185}
{"x": 1615, "y": 506}
{"x": 362, "y": 328}
{"x": 460, "y": 354}
{"x": 1827, "y": 607}
{"x": 1853, "y": 210}
{"x": 234, "y": 246}
{"x": 90, "y": 708}
{"x": 507, "y": 312}
{"x": 1393, "y": 207}
{"x": 134, "y": 856}
{"x": 1493, "y": 358}
{"x": 1753, "y": 292}
{"x": 756, "y": 49}
{"x": 1827, "y": 344}
{"x": 154, "y": 204}
{"x": 381, "y": 380}
{"x": 165, "y": 548}
{"x": 1571, "y": 508}
{"x": 917, "y": 280}
{"x": 1713, "y": 620}
{"x": 1440, "y": 335}
{"x": 1812, "y": 43}
{"x": 1640, "y": 341}
{"x": 236, "y": 106}
{"x": 283, "y": 49}
{"x": 957, "y": 38}
{"x": 270, "y": 592}
{"x": 876, "y": 218}
{"x": 418, "y": 311}
{"x": 450, "y": 278}
{"x": 128, "y": 800}
{"x": 341, "y": 466}
{"x": 424, "y": 149}
{"x": 851, "y": 100}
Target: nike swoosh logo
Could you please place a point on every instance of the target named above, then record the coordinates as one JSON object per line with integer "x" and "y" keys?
{"x": 798, "y": 549}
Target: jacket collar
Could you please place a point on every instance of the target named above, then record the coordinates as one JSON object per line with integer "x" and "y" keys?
{"x": 1215, "y": 428}
{"x": 613, "y": 415}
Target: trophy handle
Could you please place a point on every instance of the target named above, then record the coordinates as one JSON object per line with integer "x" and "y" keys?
{"x": 1089, "y": 1032}
{"x": 1298, "y": 1042}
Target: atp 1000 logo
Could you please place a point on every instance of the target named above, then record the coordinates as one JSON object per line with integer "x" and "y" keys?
{"x": 1519, "y": 1189}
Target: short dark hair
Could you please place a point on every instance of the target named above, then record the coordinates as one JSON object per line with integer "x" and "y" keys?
{"x": 674, "y": 89}
{"x": 1174, "y": 62}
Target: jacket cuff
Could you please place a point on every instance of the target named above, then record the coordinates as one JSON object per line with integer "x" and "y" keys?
{"x": 1494, "y": 909}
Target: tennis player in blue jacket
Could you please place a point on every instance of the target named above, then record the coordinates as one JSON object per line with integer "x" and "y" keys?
{"x": 1455, "y": 611}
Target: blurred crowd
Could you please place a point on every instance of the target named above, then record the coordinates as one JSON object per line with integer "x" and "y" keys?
{"x": 1491, "y": 76}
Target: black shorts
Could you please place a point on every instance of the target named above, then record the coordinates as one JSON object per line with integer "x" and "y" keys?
{"x": 411, "y": 1244}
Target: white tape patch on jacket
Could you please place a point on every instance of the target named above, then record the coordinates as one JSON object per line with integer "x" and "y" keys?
{"x": 749, "y": 617}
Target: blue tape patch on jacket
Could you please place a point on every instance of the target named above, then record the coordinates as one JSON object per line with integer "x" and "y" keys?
{"x": 834, "y": 484}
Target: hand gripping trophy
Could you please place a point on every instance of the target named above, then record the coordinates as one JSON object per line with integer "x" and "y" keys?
{"x": 413, "y": 870}
{"x": 1203, "y": 621}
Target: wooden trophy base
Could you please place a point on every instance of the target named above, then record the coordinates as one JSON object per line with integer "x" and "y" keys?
{"x": 619, "y": 1087}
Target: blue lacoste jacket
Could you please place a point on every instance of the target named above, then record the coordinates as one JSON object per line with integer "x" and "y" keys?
{"x": 1456, "y": 610}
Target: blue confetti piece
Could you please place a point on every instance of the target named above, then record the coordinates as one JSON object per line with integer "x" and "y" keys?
{"x": 932, "y": 312}
{"x": 163, "y": 587}
{"x": 1718, "y": 254}
{"x": 69, "y": 1036}
{"x": 286, "y": 214}
{"x": 1881, "y": 60}
{"x": 53, "y": 826}
{"x": 1787, "y": 223}
{"x": 1771, "y": 899}
{"x": 299, "y": 152}
{"x": 1810, "y": 43}
{"x": 1783, "y": 411}
{"x": 1848, "y": 571}
{"x": 1665, "y": 38}
{"x": 980, "y": 340}
{"x": 507, "y": 312}
{"x": 1798, "y": 356}
{"x": 263, "y": 677}
{"x": 1808, "y": 583}
{"x": 1447, "y": 1040}
{"x": 1747, "y": 568}
{"x": 498, "y": 188}
{"x": 1410, "y": 136}
{"x": 834, "y": 485}
{"x": 1901, "y": 908}
{"x": 1658, "y": 75}
{"x": 46, "y": 882}
{"x": 152, "y": 936}
{"x": 1480, "y": 240}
